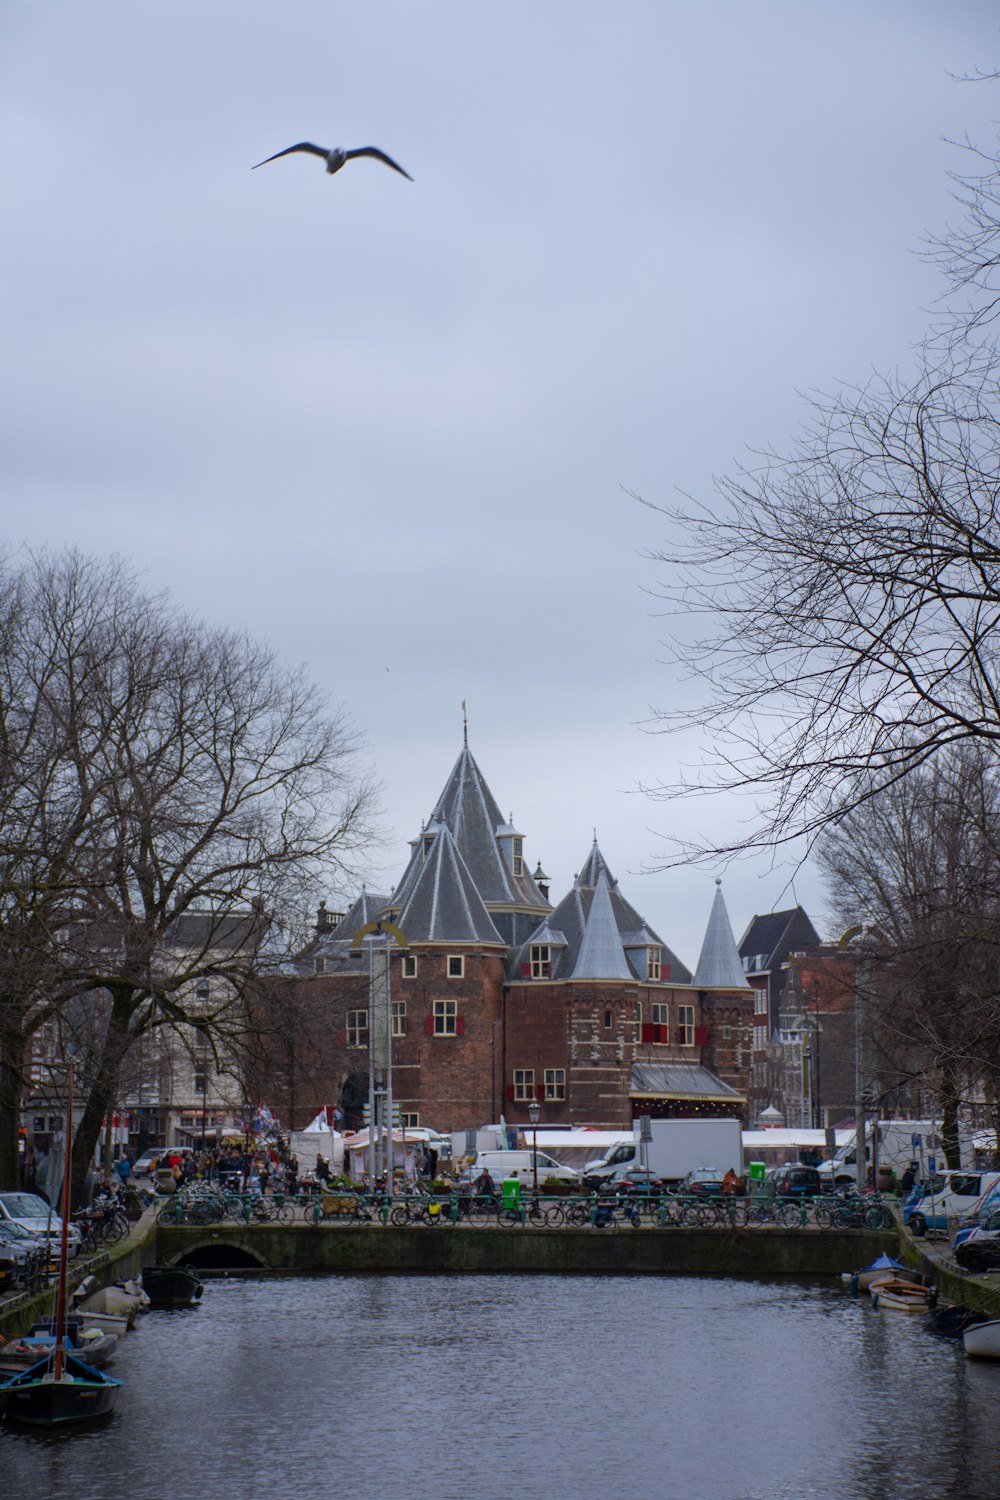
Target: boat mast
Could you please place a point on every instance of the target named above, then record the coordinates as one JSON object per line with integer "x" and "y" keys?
{"x": 64, "y": 1236}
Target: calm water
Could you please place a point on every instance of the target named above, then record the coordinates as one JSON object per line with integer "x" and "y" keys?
{"x": 501, "y": 1386}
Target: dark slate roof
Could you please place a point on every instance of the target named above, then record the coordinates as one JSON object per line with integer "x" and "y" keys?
{"x": 719, "y": 966}
{"x": 443, "y": 904}
{"x": 469, "y": 810}
{"x": 601, "y": 955}
{"x": 336, "y": 946}
{"x": 680, "y": 1081}
{"x": 769, "y": 939}
{"x": 570, "y": 919}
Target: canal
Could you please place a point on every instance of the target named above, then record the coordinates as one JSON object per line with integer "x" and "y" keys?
{"x": 521, "y": 1386}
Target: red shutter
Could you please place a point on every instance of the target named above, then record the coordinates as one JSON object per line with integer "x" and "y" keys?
{"x": 341, "y": 1039}
{"x": 525, "y": 971}
{"x": 664, "y": 971}
{"x": 510, "y": 1093}
{"x": 680, "y": 1036}
{"x": 701, "y": 1036}
{"x": 459, "y": 1025}
{"x": 540, "y": 1092}
{"x": 429, "y": 1025}
{"x": 649, "y": 1032}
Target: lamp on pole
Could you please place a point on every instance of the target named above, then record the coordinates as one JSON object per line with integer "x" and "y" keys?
{"x": 817, "y": 1099}
{"x": 534, "y": 1110}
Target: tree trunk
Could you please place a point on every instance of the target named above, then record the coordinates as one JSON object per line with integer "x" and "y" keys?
{"x": 949, "y": 1119}
{"x": 13, "y": 1047}
{"x": 103, "y": 1090}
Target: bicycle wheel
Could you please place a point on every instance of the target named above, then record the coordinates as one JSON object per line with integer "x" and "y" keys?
{"x": 509, "y": 1217}
{"x": 789, "y": 1216}
{"x": 877, "y": 1217}
{"x": 823, "y": 1217}
{"x": 555, "y": 1215}
{"x": 170, "y": 1213}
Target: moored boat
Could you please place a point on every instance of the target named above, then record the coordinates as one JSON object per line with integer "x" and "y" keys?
{"x": 982, "y": 1340}
{"x": 60, "y": 1388}
{"x": 39, "y": 1397}
{"x": 89, "y": 1344}
{"x": 171, "y": 1286}
{"x": 952, "y": 1321}
{"x": 900, "y": 1296}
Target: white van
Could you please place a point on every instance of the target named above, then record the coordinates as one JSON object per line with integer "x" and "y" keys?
{"x": 954, "y": 1195}
{"x": 520, "y": 1164}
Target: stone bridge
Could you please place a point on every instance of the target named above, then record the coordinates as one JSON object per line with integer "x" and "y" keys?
{"x": 453, "y": 1249}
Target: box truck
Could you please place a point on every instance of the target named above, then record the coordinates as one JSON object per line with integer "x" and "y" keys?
{"x": 675, "y": 1148}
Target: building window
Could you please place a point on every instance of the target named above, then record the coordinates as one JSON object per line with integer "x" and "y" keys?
{"x": 685, "y": 1025}
{"x": 524, "y": 1083}
{"x": 541, "y": 961}
{"x": 409, "y": 966}
{"x": 357, "y": 1028}
{"x": 517, "y": 856}
{"x": 555, "y": 1083}
{"x": 410, "y": 1121}
{"x": 200, "y": 1083}
{"x": 661, "y": 1014}
{"x": 319, "y": 965}
{"x": 609, "y": 1017}
{"x": 398, "y": 1017}
{"x": 445, "y": 1017}
{"x": 428, "y": 844}
{"x": 726, "y": 1032}
{"x": 456, "y": 966}
{"x": 653, "y": 963}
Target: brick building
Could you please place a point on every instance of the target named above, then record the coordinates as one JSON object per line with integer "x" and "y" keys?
{"x": 500, "y": 999}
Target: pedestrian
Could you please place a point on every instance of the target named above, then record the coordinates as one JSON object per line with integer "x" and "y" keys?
{"x": 123, "y": 1169}
{"x": 908, "y": 1179}
{"x": 432, "y": 1162}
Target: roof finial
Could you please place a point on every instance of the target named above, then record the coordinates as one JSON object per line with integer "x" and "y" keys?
{"x": 465, "y": 725}
{"x": 595, "y": 835}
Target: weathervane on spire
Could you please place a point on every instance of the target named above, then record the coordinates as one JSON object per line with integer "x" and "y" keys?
{"x": 465, "y": 724}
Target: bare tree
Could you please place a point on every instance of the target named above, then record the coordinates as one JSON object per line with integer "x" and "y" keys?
{"x": 838, "y": 605}
{"x": 215, "y": 793}
{"x": 920, "y": 861}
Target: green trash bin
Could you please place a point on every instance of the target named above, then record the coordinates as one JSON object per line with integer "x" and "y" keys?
{"x": 756, "y": 1170}
{"x": 511, "y": 1192}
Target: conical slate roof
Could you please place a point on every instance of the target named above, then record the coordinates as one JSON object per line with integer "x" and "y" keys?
{"x": 601, "y": 954}
{"x": 570, "y": 920}
{"x": 470, "y": 810}
{"x": 443, "y": 905}
{"x": 719, "y": 967}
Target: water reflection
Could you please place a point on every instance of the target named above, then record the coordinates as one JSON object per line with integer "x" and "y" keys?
{"x": 515, "y": 1385}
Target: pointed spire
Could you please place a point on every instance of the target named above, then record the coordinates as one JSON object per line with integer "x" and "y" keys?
{"x": 443, "y": 905}
{"x": 719, "y": 967}
{"x": 601, "y": 954}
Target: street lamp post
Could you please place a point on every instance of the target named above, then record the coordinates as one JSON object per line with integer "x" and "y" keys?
{"x": 534, "y": 1110}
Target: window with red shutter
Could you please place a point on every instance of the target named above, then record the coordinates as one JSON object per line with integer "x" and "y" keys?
{"x": 701, "y": 1036}
{"x": 649, "y": 1032}
{"x": 429, "y": 1025}
{"x": 459, "y": 1025}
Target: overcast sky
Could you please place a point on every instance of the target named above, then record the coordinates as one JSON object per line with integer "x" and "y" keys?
{"x": 390, "y": 427}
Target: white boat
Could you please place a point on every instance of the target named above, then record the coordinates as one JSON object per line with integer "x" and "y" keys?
{"x": 982, "y": 1340}
{"x": 900, "y": 1296}
{"x": 124, "y": 1300}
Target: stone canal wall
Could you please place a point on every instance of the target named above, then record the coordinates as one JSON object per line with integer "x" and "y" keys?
{"x": 450, "y": 1250}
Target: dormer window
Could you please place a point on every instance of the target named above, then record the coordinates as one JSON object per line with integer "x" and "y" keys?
{"x": 541, "y": 961}
{"x": 653, "y": 963}
{"x": 517, "y": 856}
{"x": 427, "y": 844}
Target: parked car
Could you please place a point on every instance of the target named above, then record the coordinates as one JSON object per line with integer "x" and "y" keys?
{"x": 22, "y": 1247}
{"x": 146, "y": 1163}
{"x": 632, "y": 1182}
{"x": 702, "y": 1180}
{"x": 41, "y": 1221}
{"x": 947, "y": 1195}
{"x": 796, "y": 1181}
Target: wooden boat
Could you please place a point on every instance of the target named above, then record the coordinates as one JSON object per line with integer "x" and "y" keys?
{"x": 900, "y": 1296}
{"x": 171, "y": 1286}
{"x": 89, "y": 1344}
{"x": 61, "y": 1388}
{"x": 883, "y": 1266}
{"x": 41, "y": 1397}
{"x": 982, "y": 1340}
{"x": 124, "y": 1300}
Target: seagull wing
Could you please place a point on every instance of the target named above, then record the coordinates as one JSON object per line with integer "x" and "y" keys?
{"x": 302, "y": 146}
{"x": 379, "y": 156}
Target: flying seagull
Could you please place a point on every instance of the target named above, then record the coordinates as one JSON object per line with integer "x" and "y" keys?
{"x": 336, "y": 158}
